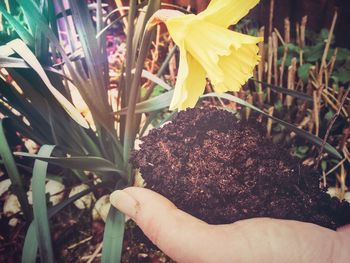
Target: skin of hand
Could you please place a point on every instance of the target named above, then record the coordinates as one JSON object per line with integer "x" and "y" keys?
{"x": 185, "y": 238}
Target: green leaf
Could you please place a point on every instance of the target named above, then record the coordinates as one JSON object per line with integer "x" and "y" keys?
{"x": 142, "y": 20}
{"x": 289, "y": 92}
{"x": 93, "y": 55}
{"x": 343, "y": 73}
{"x": 11, "y": 62}
{"x": 76, "y": 71}
{"x": 308, "y": 136}
{"x": 155, "y": 79}
{"x": 314, "y": 53}
{"x": 20, "y": 48}
{"x": 343, "y": 54}
{"x": 41, "y": 220}
{"x": 156, "y": 103}
{"x": 12, "y": 171}
{"x": 87, "y": 163}
{"x": 329, "y": 115}
{"x": 21, "y": 31}
{"x": 113, "y": 236}
{"x": 303, "y": 72}
{"x": 30, "y": 246}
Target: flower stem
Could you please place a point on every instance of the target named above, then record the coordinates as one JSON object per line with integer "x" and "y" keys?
{"x": 130, "y": 132}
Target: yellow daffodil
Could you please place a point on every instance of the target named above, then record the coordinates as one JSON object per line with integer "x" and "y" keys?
{"x": 209, "y": 49}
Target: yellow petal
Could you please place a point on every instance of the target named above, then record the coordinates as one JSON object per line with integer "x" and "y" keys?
{"x": 190, "y": 82}
{"x": 161, "y": 16}
{"x": 224, "y": 13}
{"x": 178, "y": 27}
{"x": 238, "y": 66}
{"x": 206, "y": 42}
{"x": 210, "y": 45}
{"x": 182, "y": 74}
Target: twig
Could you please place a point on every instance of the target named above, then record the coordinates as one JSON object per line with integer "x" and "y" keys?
{"x": 272, "y": 7}
{"x": 325, "y": 53}
{"x": 94, "y": 255}
{"x": 292, "y": 69}
{"x": 80, "y": 242}
{"x": 269, "y": 67}
{"x": 120, "y": 6}
{"x": 330, "y": 126}
{"x": 275, "y": 57}
{"x": 287, "y": 30}
{"x": 262, "y": 60}
{"x": 269, "y": 122}
{"x": 285, "y": 51}
{"x": 302, "y": 31}
{"x": 335, "y": 167}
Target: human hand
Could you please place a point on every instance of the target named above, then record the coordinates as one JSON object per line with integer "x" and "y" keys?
{"x": 187, "y": 239}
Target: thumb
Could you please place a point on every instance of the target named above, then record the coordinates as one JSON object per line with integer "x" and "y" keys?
{"x": 175, "y": 232}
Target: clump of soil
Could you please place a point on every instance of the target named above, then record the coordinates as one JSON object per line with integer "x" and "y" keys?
{"x": 221, "y": 170}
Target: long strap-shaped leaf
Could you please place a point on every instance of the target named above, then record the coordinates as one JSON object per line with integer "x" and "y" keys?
{"x": 86, "y": 163}
{"x": 30, "y": 246}
{"x": 79, "y": 76}
{"x": 19, "y": 28}
{"x": 21, "y": 49}
{"x": 156, "y": 103}
{"x": 11, "y": 62}
{"x": 93, "y": 56}
{"x": 312, "y": 138}
{"x": 12, "y": 171}
{"x": 113, "y": 236}
{"x": 41, "y": 220}
{"x": 293, "y": 93}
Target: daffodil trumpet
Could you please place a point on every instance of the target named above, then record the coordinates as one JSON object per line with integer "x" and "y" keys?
{"x": 209, "y": 49}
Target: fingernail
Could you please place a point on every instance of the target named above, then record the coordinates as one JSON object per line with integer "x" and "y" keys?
{"x": 124, "y": 203}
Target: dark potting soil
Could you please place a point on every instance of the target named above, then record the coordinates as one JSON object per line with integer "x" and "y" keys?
{"x": 221, "y": 170}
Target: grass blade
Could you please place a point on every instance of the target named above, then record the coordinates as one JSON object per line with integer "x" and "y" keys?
{"x": 41, "y": 220}
{"x": 13, "y": 173}
{"x": 308, "y": 136}
{"x": 113, "y": 236}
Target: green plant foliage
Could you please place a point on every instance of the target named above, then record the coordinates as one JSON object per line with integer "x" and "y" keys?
{"x": 10, "y": 165}
{"x": 303, "y": 71}
{"x": 41, "y": 108}
{"x": 41, "y": 220}
{"x": 342, "y": 74}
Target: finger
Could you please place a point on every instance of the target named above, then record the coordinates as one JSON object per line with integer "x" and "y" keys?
{"x": 176, "y": 233}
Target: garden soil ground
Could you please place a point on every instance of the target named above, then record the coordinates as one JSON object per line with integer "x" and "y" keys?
{"x": 221, "y": 170}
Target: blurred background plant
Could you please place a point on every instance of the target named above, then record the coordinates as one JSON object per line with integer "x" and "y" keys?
{"x": 56, "y": 54}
